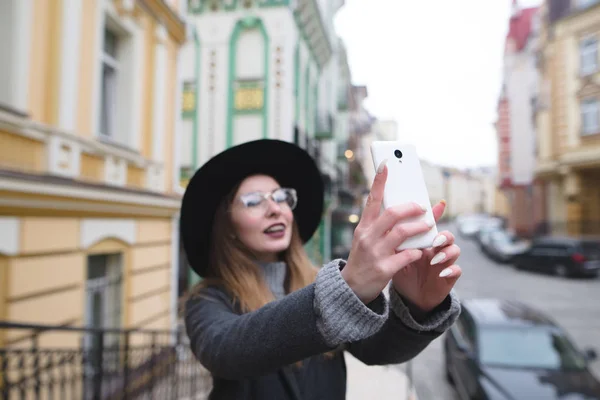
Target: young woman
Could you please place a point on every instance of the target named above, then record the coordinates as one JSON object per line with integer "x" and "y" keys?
{"x": 268, "y": 324}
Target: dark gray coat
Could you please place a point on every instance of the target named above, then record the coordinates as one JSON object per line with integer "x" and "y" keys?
{"x": 250, "y": 355}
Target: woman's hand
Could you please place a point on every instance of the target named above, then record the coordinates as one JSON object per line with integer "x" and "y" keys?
{"x": 427, "y": 281}
{"x": 373, "y": 259}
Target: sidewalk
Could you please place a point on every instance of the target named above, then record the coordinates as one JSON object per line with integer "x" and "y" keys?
{"x": 376, "y": 382}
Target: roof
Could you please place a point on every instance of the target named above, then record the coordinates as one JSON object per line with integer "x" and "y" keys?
{"x": 520, "y": 27}
{"x": 494, "y": 311}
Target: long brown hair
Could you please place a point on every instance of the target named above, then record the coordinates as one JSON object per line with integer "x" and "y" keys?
{"x": 233, "y": 267}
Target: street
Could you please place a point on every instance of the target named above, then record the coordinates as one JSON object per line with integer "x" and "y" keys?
{"x": 573, "y": 303}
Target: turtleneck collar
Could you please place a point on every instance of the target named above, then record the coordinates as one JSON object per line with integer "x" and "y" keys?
{"x": 275, "y": 273}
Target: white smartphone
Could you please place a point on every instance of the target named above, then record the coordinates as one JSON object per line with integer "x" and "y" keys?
{"x": 405, "y": 183}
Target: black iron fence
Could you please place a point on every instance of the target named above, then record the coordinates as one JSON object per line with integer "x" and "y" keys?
{"x": 60, "y": 362}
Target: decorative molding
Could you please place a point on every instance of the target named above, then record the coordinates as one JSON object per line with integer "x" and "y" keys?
{"x": 115, "y": 171}
{"x": 163, "y": 13}
{"x": 93, "y": 230}
{"x": 278, "y": 84}
{"x": 155, "y": 178}
{"x": 212, "y": 90}
{"x": 249, "y": 22}
{"x": 10, "y": 236}
{"x": 74, "y": 193}
{"x": 64, "y": 157}
{"x": 33, "y": 130}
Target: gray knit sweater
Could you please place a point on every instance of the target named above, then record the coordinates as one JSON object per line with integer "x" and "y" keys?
{"x": 343, "y": 317}
{"x": 321, "y": 317}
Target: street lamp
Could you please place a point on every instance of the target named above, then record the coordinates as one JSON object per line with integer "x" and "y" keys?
{"x": 353, "y": 218}
{"x": 349, "y": 154}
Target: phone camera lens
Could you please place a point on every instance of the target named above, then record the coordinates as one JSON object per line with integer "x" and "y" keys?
{"x": 398, "y": 153}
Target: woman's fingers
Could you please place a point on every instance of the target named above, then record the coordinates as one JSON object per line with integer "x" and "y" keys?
{"x": 375, "y": 199}
{"x": 451, "y": 272}
{"x": 438, "y": 210}
{"x": 393, "y": 216}
{"x": 443, "y": 239}
{"x": 402, "y": 231}
{"x": 402, "y": 259}
{"x": 446, "y": 256}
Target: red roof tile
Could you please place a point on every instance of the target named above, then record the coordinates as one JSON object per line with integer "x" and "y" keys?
{"x": 520, "y": 27}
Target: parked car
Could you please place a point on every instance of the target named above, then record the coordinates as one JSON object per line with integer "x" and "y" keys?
{"x": 469, "y": 226}
{"x": 506, "y": 350}
{"x": 483, "y": 236}
{"x": 503, "y": 246}
{"x": 562, "y": 256}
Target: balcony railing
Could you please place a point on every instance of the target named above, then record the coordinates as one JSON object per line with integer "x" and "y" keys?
{"x": 59, "y": 362}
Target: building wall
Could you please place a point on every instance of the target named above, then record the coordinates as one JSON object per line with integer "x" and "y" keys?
{"x": 435, "y": 182}
{"x": 277, "y": 40}
{"x": 568, "y": 159}
{"x": 61, "y": 81}
{"x": 521, "y": 89}
{"x": 66, "y": 191}
{"x": 45, "y": 273}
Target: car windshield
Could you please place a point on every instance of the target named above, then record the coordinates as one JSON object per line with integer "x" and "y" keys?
{"x": 528, "y": 348}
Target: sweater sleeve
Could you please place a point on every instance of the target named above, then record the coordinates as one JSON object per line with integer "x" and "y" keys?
{"x": 407, "y": 332}
{"x": 234, "y": 346}
{"x": 310, "y": 321}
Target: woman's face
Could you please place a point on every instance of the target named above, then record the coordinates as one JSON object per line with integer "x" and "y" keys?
{"x": 262, "y": 216}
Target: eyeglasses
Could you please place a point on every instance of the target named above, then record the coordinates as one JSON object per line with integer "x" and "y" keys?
{"x": 258, "y": 201}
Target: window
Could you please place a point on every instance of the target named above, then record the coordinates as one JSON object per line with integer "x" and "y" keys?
{"x": 588, "y": 55}
{"x": 110, "y": 71}
{"x": 119, "y": 83}
{"x": 528, "y": 348}
{"x": 590, "y": 116}
{"x": 15, "y": 26}
{"x": 466, "y": 328}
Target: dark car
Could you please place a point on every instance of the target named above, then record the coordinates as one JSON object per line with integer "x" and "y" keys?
{"x": 562, "y": 256}
{"x": 505, "y": 350}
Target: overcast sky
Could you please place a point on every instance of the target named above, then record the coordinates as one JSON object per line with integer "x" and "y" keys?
{"x": 434, "y": 67}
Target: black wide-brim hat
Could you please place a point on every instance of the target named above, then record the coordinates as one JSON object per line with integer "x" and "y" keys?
{"x": 288, "y": 164}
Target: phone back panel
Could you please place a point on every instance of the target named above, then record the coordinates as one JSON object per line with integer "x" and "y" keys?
{"x": 405, "y": 184}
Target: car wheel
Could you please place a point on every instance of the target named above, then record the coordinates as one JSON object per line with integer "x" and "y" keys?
{"x": 561, "y": 270}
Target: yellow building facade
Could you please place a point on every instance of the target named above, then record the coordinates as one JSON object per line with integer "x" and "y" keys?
{"x": 568, "y": 118}
{"x": 89, "y": 110}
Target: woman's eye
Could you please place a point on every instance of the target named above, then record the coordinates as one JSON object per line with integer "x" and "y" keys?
{"x": 252, "y": 201}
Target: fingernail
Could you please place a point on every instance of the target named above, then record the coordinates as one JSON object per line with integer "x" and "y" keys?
{"x": 440, "y": 240}
{"x": 443, "y": 202}
{"x": 423, "y": 207}
{"x": 381, "y": 166}
{"x": 446, "y": 272}
{"x": 430, "y": 223}
{"x": 417, "y": 254}
{"x": 439, "y": 257}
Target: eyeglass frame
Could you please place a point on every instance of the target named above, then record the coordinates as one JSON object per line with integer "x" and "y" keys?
{"x": 267, "y": 196}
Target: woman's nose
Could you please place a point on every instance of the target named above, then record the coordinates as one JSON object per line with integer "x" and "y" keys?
{"x": 273, "y": 207}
